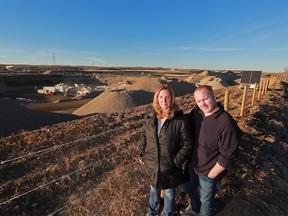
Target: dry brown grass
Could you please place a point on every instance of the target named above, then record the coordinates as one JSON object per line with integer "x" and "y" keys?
{"x": 91, "y": 166}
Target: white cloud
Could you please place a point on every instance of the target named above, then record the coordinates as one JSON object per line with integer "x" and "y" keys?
{"x": 209, "y": 49}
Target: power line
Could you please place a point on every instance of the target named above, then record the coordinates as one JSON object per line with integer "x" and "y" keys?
{"x": 53, "y": 58}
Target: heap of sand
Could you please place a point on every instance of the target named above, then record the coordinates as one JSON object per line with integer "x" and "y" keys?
{"x": 190, "y": 79}
{"x": 151, "y": 84}
{"x": 139, "y": 93}
{"x": 115, "y": 101}
{"x": 164, "y": 78}
{"x": 148, "y": 84}
{"x": 196, "y": 78}
{"x": 15, "y": 117}
{"x": 214, "y": 82}
{"x": 204, "y": 73}
{"x": 47, "y": 72}
{"x": 229, "y": 76}
{"x": 181, "y": 88}
{"x": 215, "y": 79}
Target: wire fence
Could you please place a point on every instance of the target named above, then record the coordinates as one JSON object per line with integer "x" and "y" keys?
{"x": 106, "y": 158}
{"x": 31, "y": 154}
{"x": 92, "y": 138}
{"x": 260, "y": 89}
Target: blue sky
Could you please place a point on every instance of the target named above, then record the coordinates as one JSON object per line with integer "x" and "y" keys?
{"x": 199, "y": 34}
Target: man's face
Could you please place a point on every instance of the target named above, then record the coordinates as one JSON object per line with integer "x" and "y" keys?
{"x": 205, "y": 101}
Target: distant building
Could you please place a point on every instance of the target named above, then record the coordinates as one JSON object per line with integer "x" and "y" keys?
{"x": 9, "y": 67}
{"x": 50, "y": 90}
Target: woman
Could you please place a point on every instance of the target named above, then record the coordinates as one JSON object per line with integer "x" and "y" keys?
{"x": 167, "y": 144}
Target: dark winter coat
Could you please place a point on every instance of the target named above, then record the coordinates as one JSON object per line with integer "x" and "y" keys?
{"x": 165, "y": 156}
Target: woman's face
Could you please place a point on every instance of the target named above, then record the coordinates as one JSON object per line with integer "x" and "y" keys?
{"x": 164, "y": 99}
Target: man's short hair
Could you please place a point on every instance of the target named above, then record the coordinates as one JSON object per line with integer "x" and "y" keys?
{"x": 207, "y": 87}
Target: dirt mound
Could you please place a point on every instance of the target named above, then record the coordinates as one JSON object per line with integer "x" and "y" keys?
{"x": 191, "y": 78}
{"x": 139, "y": 93}
{"x": 181, "y": 88}
{"x": 15, "y": 117}
{"x": 215, "y": 79}
{"x": 148, "y": 84}
{"x": 216, "y": 83}
{"x": 229, "y": 75}
{"x": 195, "y": 78}
{"x": 115, "y": 101}
{"x": 203, "y": 73}
{"x": 47, "y": 72}
{"x": 164, "y": 78}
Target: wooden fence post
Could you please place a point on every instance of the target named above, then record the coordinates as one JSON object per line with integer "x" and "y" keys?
{"x": 226, "y": 100}
{"x": 259, "y": 90}
{"x": 267, "y": 86}
{"x": 243, "y": 101}
{"x": 254, "y": 93}
{"x": 263, "y": 87}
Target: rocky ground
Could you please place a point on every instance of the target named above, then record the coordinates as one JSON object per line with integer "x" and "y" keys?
{"x": 90, "y": 166}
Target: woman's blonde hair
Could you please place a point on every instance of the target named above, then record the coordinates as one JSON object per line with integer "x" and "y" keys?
{"x": 156, "y": 106}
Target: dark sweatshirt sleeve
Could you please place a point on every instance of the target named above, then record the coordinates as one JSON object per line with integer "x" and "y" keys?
{"x": 229, "y": 144}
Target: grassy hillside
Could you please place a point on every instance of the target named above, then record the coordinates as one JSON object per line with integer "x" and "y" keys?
{"x": 91, "y": 166}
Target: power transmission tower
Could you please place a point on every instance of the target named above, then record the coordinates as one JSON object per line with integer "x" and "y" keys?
{"x": 53, "y": 59}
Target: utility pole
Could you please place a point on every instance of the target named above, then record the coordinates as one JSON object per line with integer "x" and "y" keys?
{"x": 53, "y": 59}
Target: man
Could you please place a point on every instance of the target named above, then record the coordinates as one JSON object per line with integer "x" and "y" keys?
{"x": 217, "y": 138}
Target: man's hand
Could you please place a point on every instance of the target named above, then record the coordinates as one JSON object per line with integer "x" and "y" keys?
{"x": 215, "y": 171}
